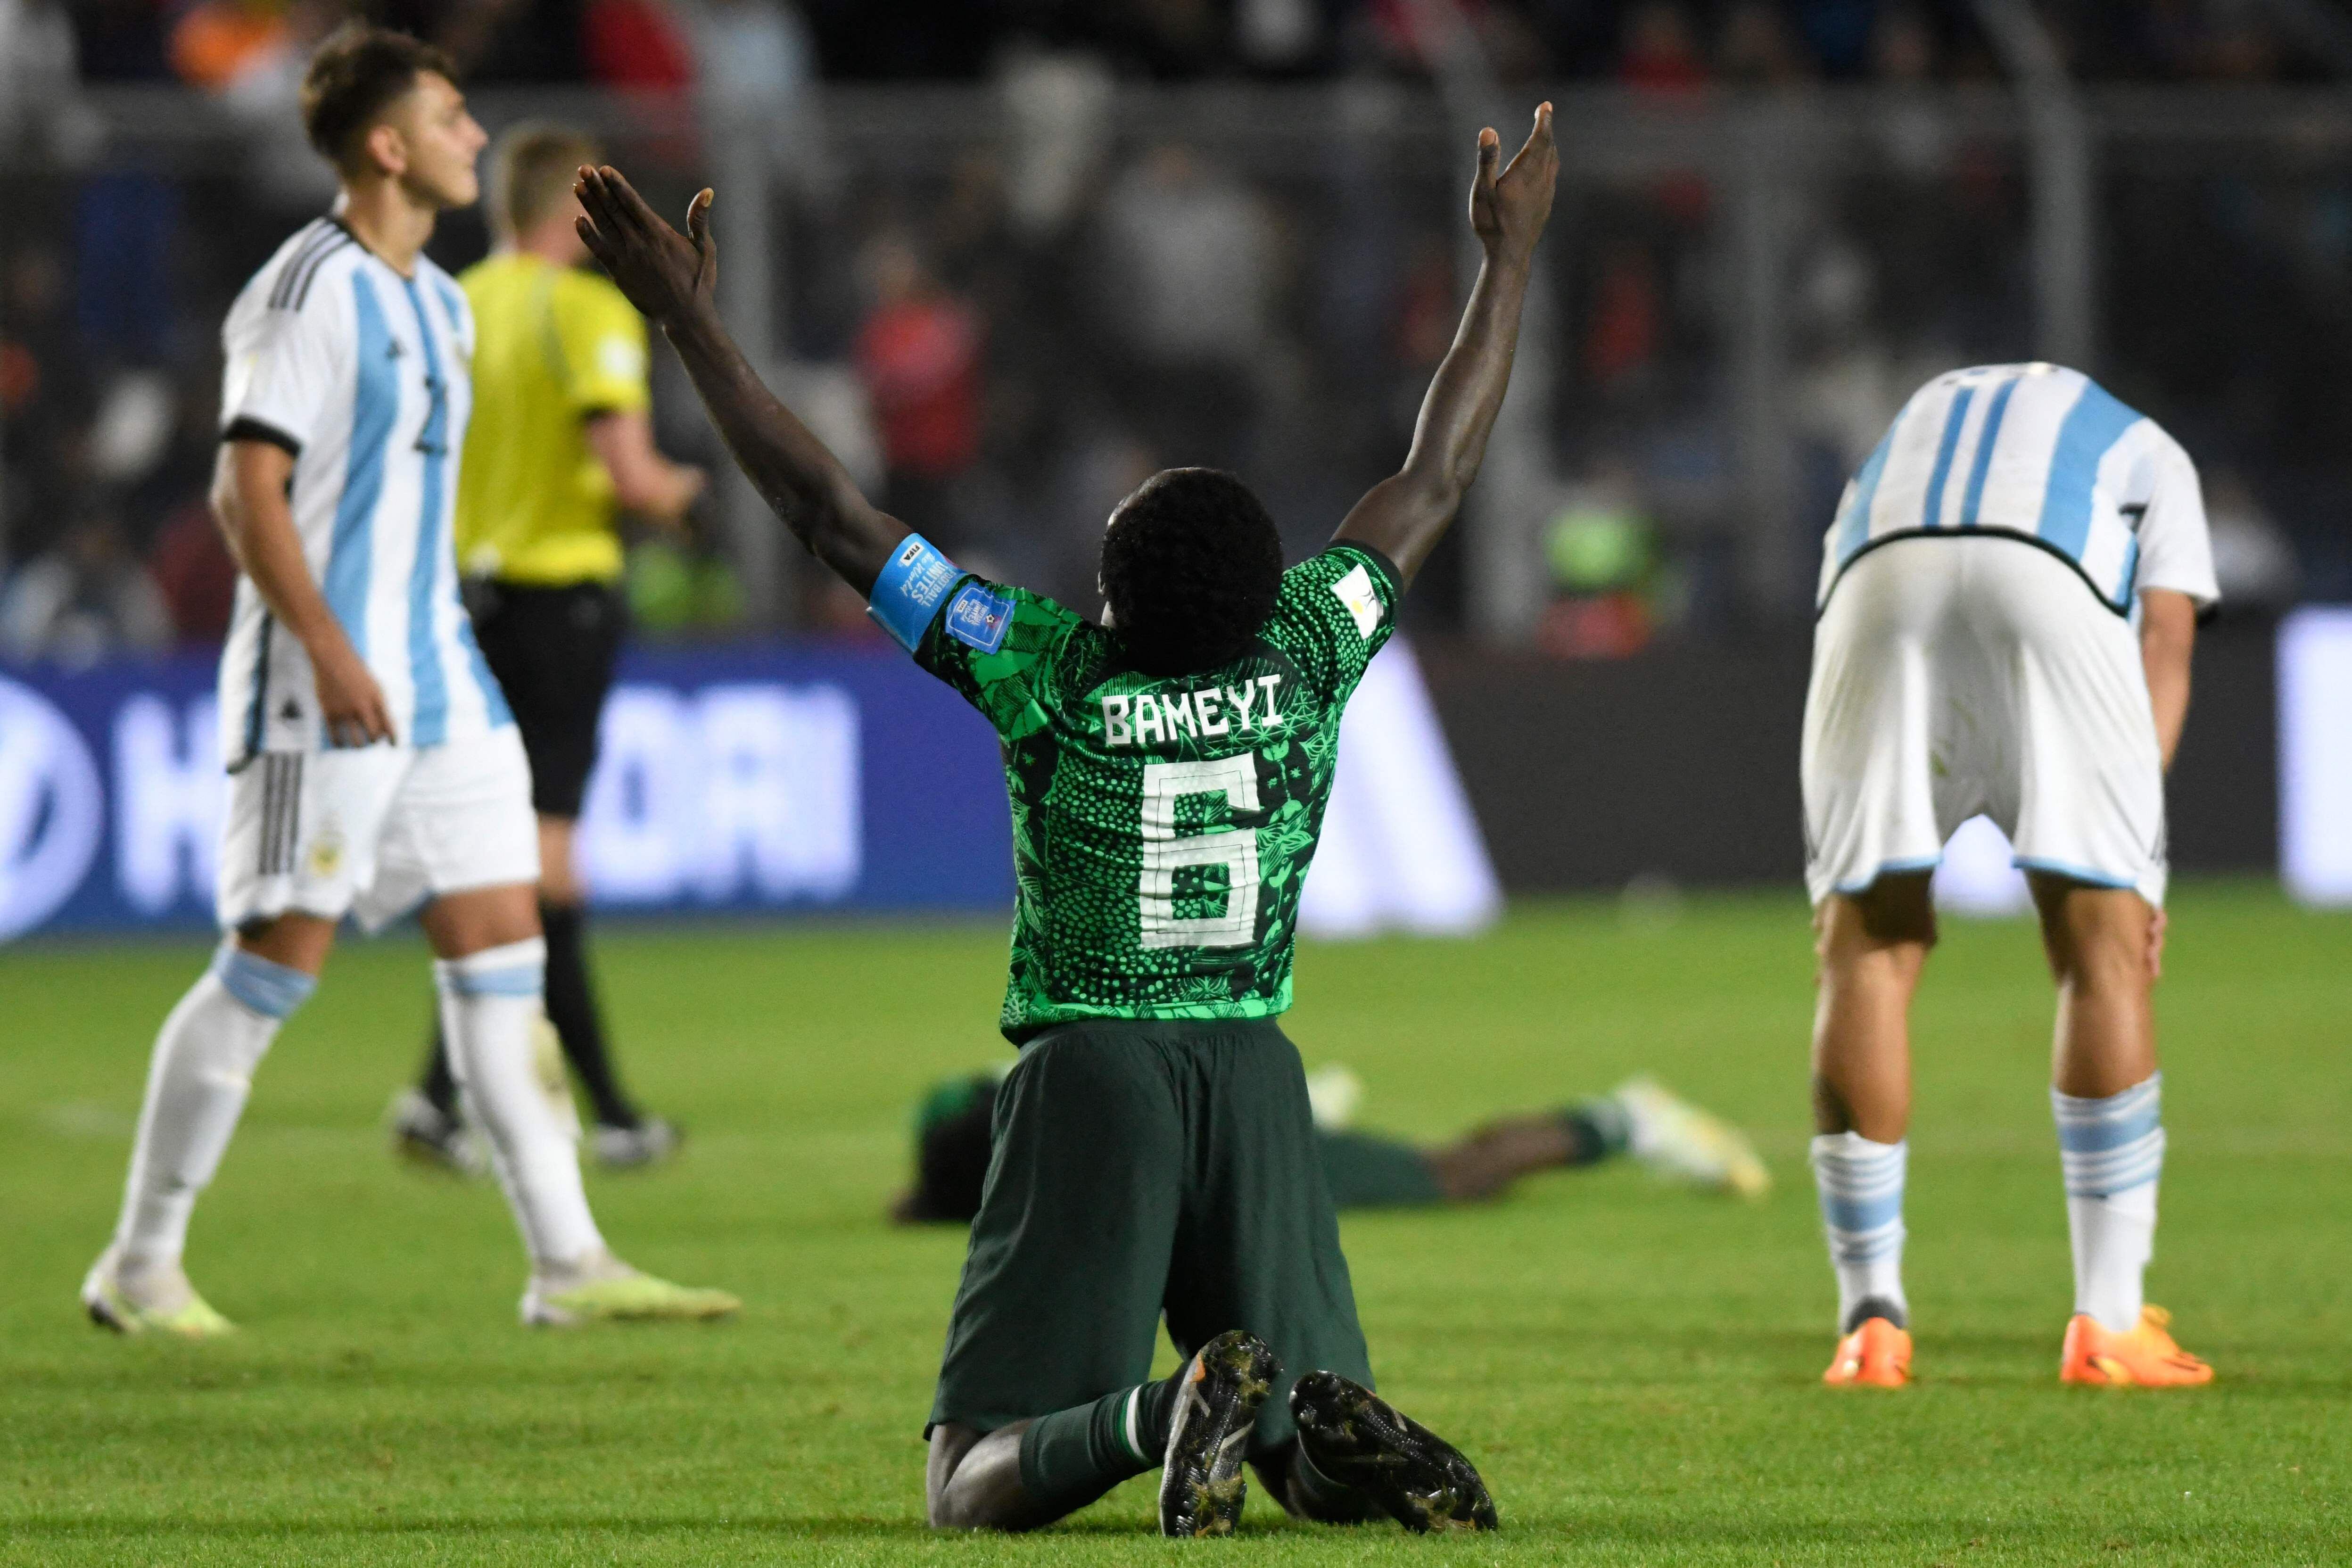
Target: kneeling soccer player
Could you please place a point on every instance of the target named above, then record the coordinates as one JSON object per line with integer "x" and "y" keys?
{"x": 2009, "y": 600}
{"x": 1168, "y": 771}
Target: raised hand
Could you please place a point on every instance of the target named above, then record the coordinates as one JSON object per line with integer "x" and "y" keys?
{"x": 665, "y": 275}
{"x": 1509, "y": 209}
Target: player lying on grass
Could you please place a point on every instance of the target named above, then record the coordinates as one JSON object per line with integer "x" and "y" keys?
{"x": 1169, "y": 771}
{"x": 1366, "y": 1171}
{"x": 2009, "y": 595}
{"x": 374, "y": 762}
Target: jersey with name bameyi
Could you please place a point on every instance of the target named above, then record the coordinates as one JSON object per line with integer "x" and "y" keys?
{"x": 1161, "y": 826}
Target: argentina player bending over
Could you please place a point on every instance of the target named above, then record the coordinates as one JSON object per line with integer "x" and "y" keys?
{"x": 374, "y": 762}
{"x": 1169, "y": 771}
{"x": 2008, "y": 594}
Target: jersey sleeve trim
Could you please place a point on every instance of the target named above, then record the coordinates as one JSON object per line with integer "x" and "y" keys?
{"x": 292, "y": 291}
{"x": 245, "y": 428}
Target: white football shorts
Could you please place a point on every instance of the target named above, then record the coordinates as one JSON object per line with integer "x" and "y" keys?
{"x": 373, "y": 831}
{"x": 1958, "y": 675}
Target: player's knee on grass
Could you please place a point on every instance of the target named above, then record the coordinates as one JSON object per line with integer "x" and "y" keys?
{"x": 972, "y": 1480}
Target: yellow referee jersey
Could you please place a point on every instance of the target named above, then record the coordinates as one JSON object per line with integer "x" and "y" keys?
{"x": 554, "y": 345}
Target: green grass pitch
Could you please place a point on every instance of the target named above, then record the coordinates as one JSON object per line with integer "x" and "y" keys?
{"x": 1634, "y": 1367}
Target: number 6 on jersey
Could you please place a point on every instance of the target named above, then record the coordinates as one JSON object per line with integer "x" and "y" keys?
{"x": 1165, "y": 853}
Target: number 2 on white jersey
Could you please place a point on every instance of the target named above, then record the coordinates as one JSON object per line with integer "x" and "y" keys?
{"x": 1165, "y": 853}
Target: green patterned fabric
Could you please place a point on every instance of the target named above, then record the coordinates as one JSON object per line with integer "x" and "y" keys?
{"x": 1161, "y": 827}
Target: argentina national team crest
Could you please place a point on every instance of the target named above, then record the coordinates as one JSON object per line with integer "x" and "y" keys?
{"x": 979, "y": 617}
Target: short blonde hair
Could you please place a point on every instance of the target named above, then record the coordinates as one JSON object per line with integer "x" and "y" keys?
{"x": 532, "y": 170}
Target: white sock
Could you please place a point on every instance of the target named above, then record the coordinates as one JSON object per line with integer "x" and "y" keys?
{"x": 1861, "y": 1187}
{"x": 2112, "y": 1150}
{"x": 196, "y": 1085}
{"x": 490, "y": 1001}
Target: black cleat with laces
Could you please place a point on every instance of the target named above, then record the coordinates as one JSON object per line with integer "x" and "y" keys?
{"x": 1359, "y": 1439}
{"x": 1202, "y": 1486}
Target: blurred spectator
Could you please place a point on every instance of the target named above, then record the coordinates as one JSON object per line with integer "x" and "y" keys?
{"x": 1187, "y": 285}
{"x": 2253, "y": 560}
{"x": 637, "y": 46}
{"x": 195, "y": 574}
{"x": 753, "y": 56}
{"x": 1916, "y": 140}
{"x": 1662, "y": 51}
{"x": 82, "y": 601}
{"x": 919, "y": 353}
{"x": 680, "y": 589}
{"x": 216, "y": 41}
{"x": 1057, "y": 120}
{"x": 757, "y": 68}
{"x": 1279, "y": 36}
{"x": 1756, "y": 48}
{"x": 1626, "y": 327}
{"x": 46, "y": 395}
{"x": 40, "y": 71}
{"x": 263, "y": 91}
{"x": 1604, "y": 560}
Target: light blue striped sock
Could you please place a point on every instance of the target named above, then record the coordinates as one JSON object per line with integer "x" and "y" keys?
{"x": 270, "y": 989}
{"x": 1861, "y": 1187}
{"x": 2112, "y": 1150}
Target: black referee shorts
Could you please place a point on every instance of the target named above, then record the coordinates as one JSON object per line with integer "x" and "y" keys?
{"x": 553, "y": 650}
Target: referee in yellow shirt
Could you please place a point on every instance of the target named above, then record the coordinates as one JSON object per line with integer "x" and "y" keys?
{"x": 560, "y": 446}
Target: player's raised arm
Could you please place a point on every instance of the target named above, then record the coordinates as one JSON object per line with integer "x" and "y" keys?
{"x": 672, "y": 279}
{"x": 1403, "y": 517}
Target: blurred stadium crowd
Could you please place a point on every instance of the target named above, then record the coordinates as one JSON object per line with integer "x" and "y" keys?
{"x": 1015, "y": 331}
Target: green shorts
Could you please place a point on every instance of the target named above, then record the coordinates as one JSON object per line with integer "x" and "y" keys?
{"x": 1143, "y": 1168}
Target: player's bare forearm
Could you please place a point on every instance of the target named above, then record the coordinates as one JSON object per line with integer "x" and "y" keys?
{"x": 672, "y": 278}
{"x": 801, "y": 481}
{"x": 249, "y": 491}
{"x": 249, "y": 504}
{"x": 1403, "y": 517}
{"x": 2167, "y": 641}
{"x": 644, "y": 481}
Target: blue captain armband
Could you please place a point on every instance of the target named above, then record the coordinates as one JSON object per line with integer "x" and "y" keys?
{"x": 912, "y": 586}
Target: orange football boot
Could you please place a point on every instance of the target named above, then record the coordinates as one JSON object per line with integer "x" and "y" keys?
{"x": 2145, "y": 1357}
{"x": 1878, "y": 1354}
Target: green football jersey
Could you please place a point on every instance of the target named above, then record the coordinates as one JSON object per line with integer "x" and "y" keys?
{"x": 1161, "y": 826}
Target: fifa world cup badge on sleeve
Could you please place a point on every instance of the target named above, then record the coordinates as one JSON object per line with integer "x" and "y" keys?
{"x": 907, "y": 593}
{"x": 1355, "y": 591}
{"x": 979, "y": 617}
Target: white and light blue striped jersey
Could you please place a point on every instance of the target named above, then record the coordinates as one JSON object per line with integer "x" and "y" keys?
{"x": 2042, "y": 454}
{"x": 362, "y": 374}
